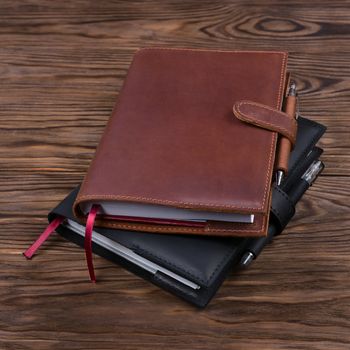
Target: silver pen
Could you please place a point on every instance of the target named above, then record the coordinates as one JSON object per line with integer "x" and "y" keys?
{"x": 256, "y": 245}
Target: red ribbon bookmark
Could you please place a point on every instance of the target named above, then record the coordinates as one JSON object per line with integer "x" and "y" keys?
{"x": 43, "y": 237}
{"x": 88, "y": 240}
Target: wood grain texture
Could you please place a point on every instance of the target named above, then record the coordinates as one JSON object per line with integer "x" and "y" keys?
{"x": 62, "y": 64}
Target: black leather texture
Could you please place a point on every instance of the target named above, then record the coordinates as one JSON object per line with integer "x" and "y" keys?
{"x": 282, "y": 208}
{"x": 308, "y": 134}
{"x": 203, "y": 260}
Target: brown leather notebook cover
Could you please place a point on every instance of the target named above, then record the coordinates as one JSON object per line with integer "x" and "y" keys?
{"x": 193, "y": 129}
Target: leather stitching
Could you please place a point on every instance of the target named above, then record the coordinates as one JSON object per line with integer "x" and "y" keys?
{"x": 282, "y": 80}
{"x": 191, "y": 294}
{"x": 196, "y": 297}
{"x": 286, "y": 197}
{"x": 144, "y": 49}
{"x": 192, "y": 230}
{"x": 290, "y": 134}
{"x": 291, "y": 209}
{"x": 312, "y": 141}
{"x": 176, "y": 229}
{"x": 183, "y": 269}
{"x": 160, "y": 201}
{"x": 247, "y": 230}
{"x": 282, "y": 114}
{"x": 273, "y": 144}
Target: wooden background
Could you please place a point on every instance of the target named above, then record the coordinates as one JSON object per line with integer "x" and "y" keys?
{"x": 62, "y": 64}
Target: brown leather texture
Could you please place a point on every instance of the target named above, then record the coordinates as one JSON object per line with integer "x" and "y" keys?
{"x": 266, "y": 117}
{"x": 172, "y": 138}
{"x": 284, "y": 144}
{"x": 284, "y": 149}
{"x": 287, "y": 84}
{"x": 212, "y": 228}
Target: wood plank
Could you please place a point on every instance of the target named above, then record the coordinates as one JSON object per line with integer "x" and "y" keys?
{"x": 62, "y": 64}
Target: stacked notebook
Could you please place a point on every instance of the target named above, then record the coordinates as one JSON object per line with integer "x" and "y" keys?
{"x": 194, "y": 133}
{"x": 182, "y": 182}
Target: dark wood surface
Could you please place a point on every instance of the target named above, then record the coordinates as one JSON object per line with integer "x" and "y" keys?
{"x": 61, "y": 66}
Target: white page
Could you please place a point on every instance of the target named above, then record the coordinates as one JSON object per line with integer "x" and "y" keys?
{"x": 128, "y": 254}
{"x": 155, "y": 211}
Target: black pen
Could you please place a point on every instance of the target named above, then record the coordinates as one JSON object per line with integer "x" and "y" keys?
{"x": 257, "y": 244}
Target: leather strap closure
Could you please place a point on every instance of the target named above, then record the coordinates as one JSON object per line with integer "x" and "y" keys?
{"x": 266, "y": 117}
{"x": 282, "y": 208}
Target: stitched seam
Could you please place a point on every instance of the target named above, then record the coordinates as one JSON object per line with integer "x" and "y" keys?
{"x": 268, "y": 108}
{"x": 264, "y": 123}
{"x": 242, "y": 230}
{"x": 144, "y": 49}
{"x": 300, "y": 165}
{"x": 286, "y": 197}
{"x": 188, "y": 296}
{"x": 175, "y": 229}
{"x": 273, "y": 141}
{"x": 177, "y": 290}
{"x": 284, "y": 115}
{"x": 282, "y": 79}
{"x": 181, "y": 268}
{"x": 87, "y": 197}
{"x": 290, "y": 134}
{"x": 290, "y": 207}
{"x": 277, "y": 214}
{"x": 113, "y": 114}
{"x": 154, "y": 228}
{"x": 312, "y": 142}
{"x": 280, "y": 218}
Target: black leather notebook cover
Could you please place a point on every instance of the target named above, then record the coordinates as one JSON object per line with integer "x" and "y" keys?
{"x": 203, "y": 260}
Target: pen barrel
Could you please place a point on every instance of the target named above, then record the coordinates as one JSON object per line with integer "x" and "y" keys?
{"x": 260, "y": 243}
{"x": 283, "y": 154}
{"x": 285, "y": 146}
{"x": 291, "y": 105}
